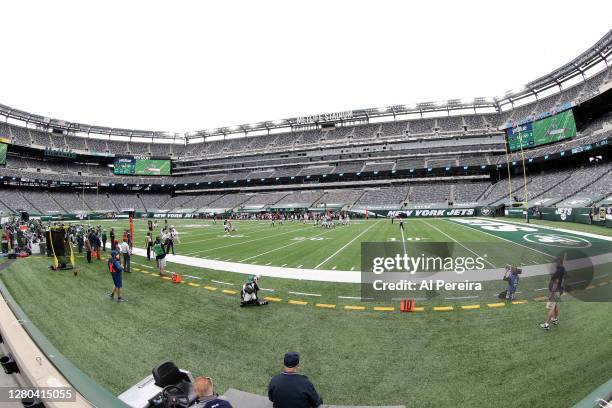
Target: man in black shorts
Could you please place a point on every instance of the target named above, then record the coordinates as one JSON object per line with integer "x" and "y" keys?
{"x": 555, "y": 288}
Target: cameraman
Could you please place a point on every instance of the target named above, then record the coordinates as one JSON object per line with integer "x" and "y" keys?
{"x": 249, "y": 292}
{"x": 512, "y": 277}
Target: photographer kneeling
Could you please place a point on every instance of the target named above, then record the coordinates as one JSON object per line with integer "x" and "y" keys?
{"x": 511, "y": 275}
{"x": 249, "y": 293}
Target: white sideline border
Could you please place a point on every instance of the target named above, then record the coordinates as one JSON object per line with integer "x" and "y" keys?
{"x": 342, "y": 276}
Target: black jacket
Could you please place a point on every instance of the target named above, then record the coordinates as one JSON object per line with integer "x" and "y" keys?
{"x": 288, "y": 390}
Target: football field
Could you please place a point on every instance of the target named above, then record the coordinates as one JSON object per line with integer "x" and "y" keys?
{"x": 298, "y": 245}
{"x": 407, "y": 357}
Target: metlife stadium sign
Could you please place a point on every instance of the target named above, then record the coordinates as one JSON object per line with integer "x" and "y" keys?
{"x": 325, "y": 117}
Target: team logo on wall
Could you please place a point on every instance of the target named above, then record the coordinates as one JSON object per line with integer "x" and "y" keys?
{"x": 485, "y": 211}
{"x": 563, "y": 213}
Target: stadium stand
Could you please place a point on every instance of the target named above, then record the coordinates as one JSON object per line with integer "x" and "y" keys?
{"x": 368, "y": 157}
{"x": 393, "y": 196}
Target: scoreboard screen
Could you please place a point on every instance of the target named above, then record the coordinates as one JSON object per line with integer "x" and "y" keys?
{"x": 547, "y": 130}
{"x": 142, "y": 166}
{"x": 3, "y": 150}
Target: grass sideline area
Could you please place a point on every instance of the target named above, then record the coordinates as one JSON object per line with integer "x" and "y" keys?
{"x": 418, "y": 359}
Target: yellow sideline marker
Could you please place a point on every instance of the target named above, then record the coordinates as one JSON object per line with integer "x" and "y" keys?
{"x": 418, "y": 309}
{"x": 470, "y": 307}
{"x": 325, "y": 306}
{"x": 210, "y": 287}
{"x": 494, "y": 305}
{"x": 519, "y": 302}
{"x": 195, "y": 285}
{"x": 383, "y": 309}
{"x": 539, "y": 299}
{"x": 166, "y": 277}
{"x": 298, "y": 302}
{"x": 443, "y": 308}
{"x": 229, "y": 292}
{"x": 354, "y": 307}
{"x": 273, "y": 299}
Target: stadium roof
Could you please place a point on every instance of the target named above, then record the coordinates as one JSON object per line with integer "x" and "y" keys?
{"x": 600, "y": 53}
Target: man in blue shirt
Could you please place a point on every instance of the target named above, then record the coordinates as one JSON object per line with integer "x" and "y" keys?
{"x": 290, "y": 389}
{"x": 115, "y": 269}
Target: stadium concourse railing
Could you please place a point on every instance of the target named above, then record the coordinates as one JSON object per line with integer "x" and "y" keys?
{"x": 40, "y": 364}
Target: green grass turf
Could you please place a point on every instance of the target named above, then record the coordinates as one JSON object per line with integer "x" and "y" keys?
{"x": 297, "y": 245}
{"x": 279, "y": 248}
{"x": 425, "y": 359}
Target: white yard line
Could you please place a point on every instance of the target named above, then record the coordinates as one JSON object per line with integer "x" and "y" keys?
{"x": 283, "y": 246}
{"x": 460, "y": 244}
{"x": 221, "y": 282}
{"x": 461, "y": 297}
{"x": 145, "y": 266}
{"x": 504, "y": 239}
{"x": 353, "y": 298}
{"x": 347, "y": 244}
{"x": 215, "y": 235}
{"x": 242, "y": 242}
{"x": 304, "y": 294}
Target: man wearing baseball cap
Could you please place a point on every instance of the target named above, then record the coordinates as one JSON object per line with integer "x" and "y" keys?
{"x": 114, "y": 267}
{"x": 290, "y": 389}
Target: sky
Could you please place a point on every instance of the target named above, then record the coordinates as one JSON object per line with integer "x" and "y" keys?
{"x": 183, "y": 66}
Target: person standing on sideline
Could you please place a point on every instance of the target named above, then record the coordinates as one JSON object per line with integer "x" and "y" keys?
{"x": 80, "y": 242}
{"x": 112, "y": 237}
{"x": 104, "y": 240}
{"x": 555, "y": 288}
{"x": 160, "y": 256}
{"x": 115, "y": 269}
{"x": 149, "y": 245}
{"x": 125, "y": 254}
{"x": 169, "y": 242}
{"x": 290, "y": 389}
{"x": 88, "y": 248}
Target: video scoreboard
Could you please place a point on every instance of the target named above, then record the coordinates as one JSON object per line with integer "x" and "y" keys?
{"x": 550, "y": 129}
{"x": 3, "y": 150}
{"x": 142, "y": 166}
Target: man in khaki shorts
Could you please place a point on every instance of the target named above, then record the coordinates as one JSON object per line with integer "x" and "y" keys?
{"x": 555, "y": 288}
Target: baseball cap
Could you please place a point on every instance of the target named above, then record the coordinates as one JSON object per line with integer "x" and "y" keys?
{"x": 292, "y": 359}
